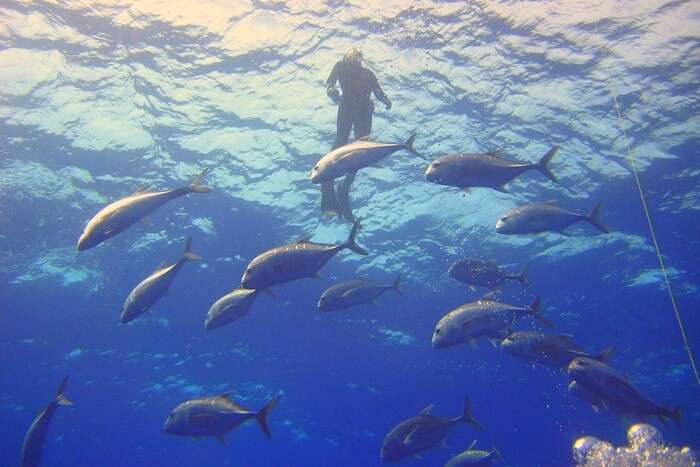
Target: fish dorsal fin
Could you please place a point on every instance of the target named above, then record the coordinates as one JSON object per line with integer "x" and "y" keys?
{"x": 427, "y": 410}
{"x": 489, "y": 296}
{"x": 363, "y": 138}
{"x": 142, "y": 189}
{"x": 551, "y": 202}
{"x": 304, "y": 239}
{"x": 225, "y": 395}
{"x": 498, "y": 152}
{"x": 161, "y": 265}
{"x": 472, "y": 446}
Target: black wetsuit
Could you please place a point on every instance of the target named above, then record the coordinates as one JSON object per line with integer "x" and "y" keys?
{"x": 354, "y": 112}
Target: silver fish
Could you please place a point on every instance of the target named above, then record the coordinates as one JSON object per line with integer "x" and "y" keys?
{"x": 153, "y": 287}
{"x": 123, "y": 213}
{"x": 36, "y": 435}
{"x": 547, "y": 349}
{"x": 543, "y": 217}
{"x": 214, "y": 416}
{"x": 478, "y": 273}
{"x": 607, "y": 385}
{"x": 487, "y": 170}
{"x": 422, "y": 432}
{"x": 230, "y": 307}
{"x": 475, "y": 457}
{"x": 294, "y": 261}
{"x": 483, "y": 318}
{"x": 355, "y": 156}
{"x": 354, "y": 292}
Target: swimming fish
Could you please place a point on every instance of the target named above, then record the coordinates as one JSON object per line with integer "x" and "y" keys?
{"x": 354, "y": 292}
{"x": 479, "y": 273}
{"x": 36, "y": 435}
{"x": 214, "y": 416}
{"x": 422, "y": 432}
{"x": 547, "y": 349}
{"x": 543, "y": 217}
{"x": 605, "y": 384}
{"x": 355, "y": 156}
{"x": 475, "y": 457}
{"x": 487, "y": 170}
{"x": 121, "y": 214}
{"x": 230, "y": 307}
{"x": 153, "y": 287}
{"x": 483, "y": 318}
{"x": 294, "y": 261}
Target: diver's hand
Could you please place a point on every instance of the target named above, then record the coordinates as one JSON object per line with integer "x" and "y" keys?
{"x": 334, "y": 94}
{"x": 387, "y": 104}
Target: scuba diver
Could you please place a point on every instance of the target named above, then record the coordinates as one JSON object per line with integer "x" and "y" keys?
{"x": 355, "y": 109}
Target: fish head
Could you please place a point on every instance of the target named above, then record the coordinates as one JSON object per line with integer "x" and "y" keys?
{"x": 89, "y": 239}
{"x": 319, "y": 172}
{"x": 391, "y": 450}
{"x": 324, "y": 303}
{"x": 581, "y": 367}
{"x": 212, "y": 321}
{"x": 436, "y": 172}
{"x": 176, "y": 422}
{"x": 252, "y": 276}
{"x": 507, "y": 224}
{"x": 446, "y": 333}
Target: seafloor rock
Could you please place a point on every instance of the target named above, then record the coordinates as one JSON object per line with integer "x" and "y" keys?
{"x": 645, "y": 448}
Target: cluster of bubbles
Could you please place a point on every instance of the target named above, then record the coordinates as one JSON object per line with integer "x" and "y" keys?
{"x": 645, "y": 448}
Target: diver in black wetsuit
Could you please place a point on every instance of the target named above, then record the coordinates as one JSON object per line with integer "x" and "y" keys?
{"x": 355, "y": 109}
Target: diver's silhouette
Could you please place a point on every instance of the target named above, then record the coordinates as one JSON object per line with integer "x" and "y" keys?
{"x": 355, "y": 109}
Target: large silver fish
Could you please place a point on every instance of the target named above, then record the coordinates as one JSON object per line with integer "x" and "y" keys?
{"x": 478, "y": 273}
{"x": 487, "y": 170}
{"x": 543, "y": 217}
{"x": 475, "y": 457}
{"x": 355, "y": 156}
{"x": 483, "y": 318}
{"x": 422, "y": 432}
{"x": 214, "y": 416}
{"x": 355, "y": 292}
{"x": 230, "y": 307}
{"x": 123, "y": 213}
{"x": 153, "y": 287}
{"x": 547, "y": 349}
{"x": 36, "y": 435}
{"x": 607, "y": 385}
{"x": 294, "y": 261}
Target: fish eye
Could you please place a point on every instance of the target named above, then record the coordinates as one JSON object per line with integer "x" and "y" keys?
{"x": 316, "y": 168}
{"x": 437, "y": 330}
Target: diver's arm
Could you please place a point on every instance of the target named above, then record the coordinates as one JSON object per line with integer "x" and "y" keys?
{"x": 331, "y": 90}
{"x": 379, "y": 93}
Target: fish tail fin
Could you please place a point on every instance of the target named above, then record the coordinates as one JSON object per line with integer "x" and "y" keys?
{"x": 61, "y": 398}
{"x": 593, "y": 216}
{"x": 189, "y": 255}
{"x": 409, "y": 145}
{"x": 522, "y": 277}
{"x": 605, "y": 354}
{"x": 350, "y": 242}
{"x": 467, "y": 416}
{"x": 535, "y": 311}
{"x": 396, "y": 286}
{"x": 546, "y": 159}
{"x": 197, "y": 186}
{"x": 262, "y": 414}
{"x": 495, "y": 450}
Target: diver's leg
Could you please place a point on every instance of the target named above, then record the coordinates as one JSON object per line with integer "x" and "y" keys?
{"x": 362, "y": 127}
{"x": 329, "y": 202}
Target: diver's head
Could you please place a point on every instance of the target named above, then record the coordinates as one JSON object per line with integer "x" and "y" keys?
{"x": 354, "y": 55}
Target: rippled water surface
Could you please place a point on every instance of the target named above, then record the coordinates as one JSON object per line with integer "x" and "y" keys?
{"x": 98, "y": 98}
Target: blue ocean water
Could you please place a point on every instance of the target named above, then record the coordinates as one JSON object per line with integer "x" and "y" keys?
{"x": 99, "y": 98}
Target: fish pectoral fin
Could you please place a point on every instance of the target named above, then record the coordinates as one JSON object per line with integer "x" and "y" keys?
{"x": 595, "y": 408}
{"x": 304, "y": 239}
{"x": 494, "y": 342}
{"x": 348, "y": 293}
{"x": 411, "y": 436}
